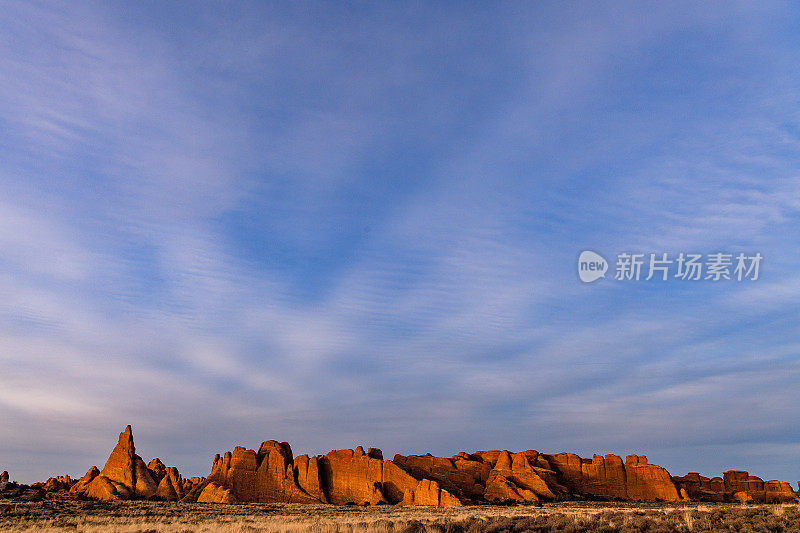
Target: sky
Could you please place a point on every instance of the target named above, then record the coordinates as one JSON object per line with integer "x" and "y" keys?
{"x": 336, "y": 224}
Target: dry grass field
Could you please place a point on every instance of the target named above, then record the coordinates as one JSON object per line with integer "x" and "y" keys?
{"x": 155, "y": 517}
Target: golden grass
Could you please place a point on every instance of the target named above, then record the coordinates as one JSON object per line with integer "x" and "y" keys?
{"x": 154, "y": 517}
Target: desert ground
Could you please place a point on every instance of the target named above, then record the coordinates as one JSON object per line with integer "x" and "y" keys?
{"x": 153, "y": 517}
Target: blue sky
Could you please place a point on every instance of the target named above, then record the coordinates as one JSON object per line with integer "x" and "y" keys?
{"x": 341, "y": 224}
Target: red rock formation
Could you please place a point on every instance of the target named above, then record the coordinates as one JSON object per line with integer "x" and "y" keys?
{"x": 351, "y": 476}
{"x": 607, "y": 477}
{"x": 701, "y": 488}
{"x": 124, "y": 476}
{"x": 402, "y": 488}
{"x": 463, "y": 476}
{"x": 4, "y": 477}
{"x": 82, "y": 485}
{"x": 514, "y": 478}
{"x": 266, "y": 476}
{"x": 170, "y": 488}
{"x": 307, "y": 474}
{"x": 487, "y": 475}
{"x": 738, "y": 486}
{"x": 214, "y": 493}
{"x": 121, "y": 465}
{"x": 59, "y": 483}
{"x": 189, "y": 486}
{"x": 157, "y": 470}
{"x": 340, "y": 477}
{"x": 779, "y": 492}
{"x": 646, "y": 482}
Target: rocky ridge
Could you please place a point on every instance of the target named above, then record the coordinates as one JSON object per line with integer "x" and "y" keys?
{"x": 341, "y": 477}
{"x": 735, "y": 485}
